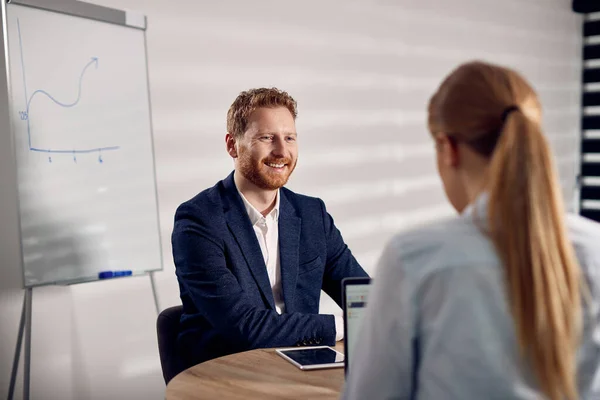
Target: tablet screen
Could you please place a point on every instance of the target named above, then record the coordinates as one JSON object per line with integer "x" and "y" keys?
{"x": 322, "y": 355}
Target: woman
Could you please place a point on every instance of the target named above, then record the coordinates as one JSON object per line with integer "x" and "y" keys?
{"x": 500, "y": 302}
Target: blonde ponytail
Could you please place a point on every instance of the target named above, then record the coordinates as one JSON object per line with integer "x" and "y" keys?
{"x": 528, "y": 230}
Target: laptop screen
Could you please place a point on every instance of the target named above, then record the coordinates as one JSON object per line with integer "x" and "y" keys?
{"x": 356, "y": 293}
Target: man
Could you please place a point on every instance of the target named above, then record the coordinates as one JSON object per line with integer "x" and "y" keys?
{"x": 252, "y": 256}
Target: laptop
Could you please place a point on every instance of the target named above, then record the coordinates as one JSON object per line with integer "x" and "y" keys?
{"x": 355, "y": 292}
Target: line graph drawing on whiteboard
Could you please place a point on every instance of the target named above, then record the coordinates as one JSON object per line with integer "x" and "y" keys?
{"x": 25, "y": 115}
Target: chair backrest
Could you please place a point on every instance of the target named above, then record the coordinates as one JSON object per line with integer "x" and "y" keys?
{"x": 167, "y": 329}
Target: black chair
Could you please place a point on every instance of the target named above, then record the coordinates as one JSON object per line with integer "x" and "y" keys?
{"x": 167, "y": 329}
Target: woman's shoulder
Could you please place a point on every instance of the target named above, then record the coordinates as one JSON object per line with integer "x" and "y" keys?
{"x": 449, "y": 230}
{"x": 446, "y": 243}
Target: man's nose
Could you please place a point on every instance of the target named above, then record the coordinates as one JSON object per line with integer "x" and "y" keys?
{"x": 278, "y": 147}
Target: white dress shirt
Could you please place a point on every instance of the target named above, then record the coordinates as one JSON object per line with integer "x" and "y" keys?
{"x": 267, "y": 232}
{"x": 266, "y": 229}
{"x": 438, "y": 323}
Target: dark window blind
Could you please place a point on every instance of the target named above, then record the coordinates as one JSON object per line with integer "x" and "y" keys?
{"x": 590, "y": 122}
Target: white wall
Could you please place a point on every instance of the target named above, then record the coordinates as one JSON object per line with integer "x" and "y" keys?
{"x": 362, "y": 72}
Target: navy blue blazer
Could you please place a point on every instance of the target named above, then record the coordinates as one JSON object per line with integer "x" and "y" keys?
{"x": 227, "y": 299}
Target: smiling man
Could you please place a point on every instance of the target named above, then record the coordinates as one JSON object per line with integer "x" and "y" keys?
{"x": 252, "y": 256}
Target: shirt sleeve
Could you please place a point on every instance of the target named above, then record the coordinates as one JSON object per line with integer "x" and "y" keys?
{"x": 381, "y": 366}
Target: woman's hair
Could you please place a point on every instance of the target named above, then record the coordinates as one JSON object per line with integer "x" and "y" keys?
{"x": 496, "y": 112}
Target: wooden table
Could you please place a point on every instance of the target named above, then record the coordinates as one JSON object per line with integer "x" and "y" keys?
{"x": 256, "y": 374}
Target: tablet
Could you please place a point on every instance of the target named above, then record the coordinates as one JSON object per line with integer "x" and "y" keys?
{"x": 316, "y": 357}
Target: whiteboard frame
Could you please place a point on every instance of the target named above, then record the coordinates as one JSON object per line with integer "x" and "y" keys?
{"x": 81, "y": 10}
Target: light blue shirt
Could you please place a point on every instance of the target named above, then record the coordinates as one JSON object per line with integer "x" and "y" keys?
{"x": 438, "y": 324}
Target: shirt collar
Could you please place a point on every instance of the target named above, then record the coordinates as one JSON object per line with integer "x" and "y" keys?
{"x": 255, "y": 215}
{"x": 478, "y": 207}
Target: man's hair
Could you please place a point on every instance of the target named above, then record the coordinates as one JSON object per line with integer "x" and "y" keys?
{"x": 249, "y": 100}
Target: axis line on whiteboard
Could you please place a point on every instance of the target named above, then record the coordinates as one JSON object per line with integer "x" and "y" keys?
{"x": 25, "y": 115}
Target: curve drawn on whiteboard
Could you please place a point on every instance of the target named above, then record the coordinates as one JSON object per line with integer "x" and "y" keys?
{"x": 25, "y": 115}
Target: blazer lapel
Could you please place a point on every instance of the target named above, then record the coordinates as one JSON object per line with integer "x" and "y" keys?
{"x": 289, "y": 247}
{"x": 241, "y": 228}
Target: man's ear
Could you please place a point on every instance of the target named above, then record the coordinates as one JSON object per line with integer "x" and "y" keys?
{"x": 230, "y": 145}
{"x": 448, "y": 150}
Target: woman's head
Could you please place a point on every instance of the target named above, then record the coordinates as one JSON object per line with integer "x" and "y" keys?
{"x": 486, "y": 123}
{"x": 467, "y": 115}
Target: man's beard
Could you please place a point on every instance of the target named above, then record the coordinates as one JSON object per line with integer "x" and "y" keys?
{"x": 257, "y": 171}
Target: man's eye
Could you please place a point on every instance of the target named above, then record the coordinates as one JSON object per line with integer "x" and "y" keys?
{"x": 290, "y": 139}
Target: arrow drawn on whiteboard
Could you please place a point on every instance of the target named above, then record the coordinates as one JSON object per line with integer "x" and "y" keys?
{"x": 25, "y": 115}
{"x": 67, "y": 105}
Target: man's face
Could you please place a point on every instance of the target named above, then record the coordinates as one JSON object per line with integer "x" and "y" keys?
{"x": 268, "y": 152}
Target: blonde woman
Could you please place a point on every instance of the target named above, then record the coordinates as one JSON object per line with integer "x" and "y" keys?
{"x": 500, "y": 302}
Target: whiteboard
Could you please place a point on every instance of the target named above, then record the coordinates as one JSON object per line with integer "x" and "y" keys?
{"x": 82, "y": 135}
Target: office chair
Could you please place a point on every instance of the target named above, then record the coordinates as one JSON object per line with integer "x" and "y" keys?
{"x": 167, "y": 329}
